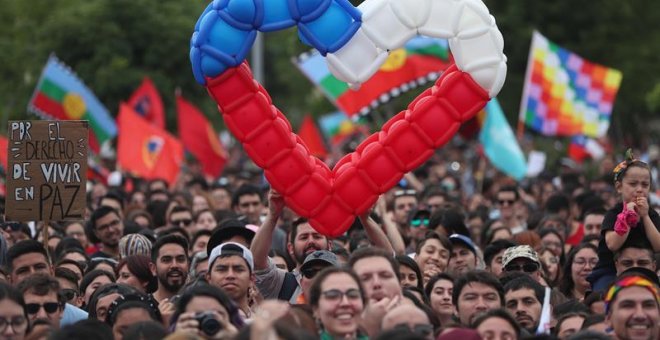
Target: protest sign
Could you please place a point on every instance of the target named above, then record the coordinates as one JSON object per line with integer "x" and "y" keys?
{"x": 47, "y": 170}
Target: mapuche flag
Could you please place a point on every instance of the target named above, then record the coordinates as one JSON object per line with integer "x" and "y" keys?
{"x": 60, "y": 95}
{"x": 421, "y": 60}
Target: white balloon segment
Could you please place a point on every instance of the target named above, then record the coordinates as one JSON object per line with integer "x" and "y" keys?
{"x": 474, "y": 39}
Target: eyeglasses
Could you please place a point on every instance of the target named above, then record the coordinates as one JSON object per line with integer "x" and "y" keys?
{"x": 419, "y": 329}
{"x": 583, "y": 262}
{"x": 527, "y": 267}
{"x": 106, "y": 226}
{"x": 49, "y": 307}
{"x": 419, "y": 222}
{"x": 408, "y": 192}
{"x": 18, "y": 324}
{"x": 506, "y": 202}
{"x": 185, "y": 222}
{"x": 69, "y": 294}
{"x": 337, "y": 295}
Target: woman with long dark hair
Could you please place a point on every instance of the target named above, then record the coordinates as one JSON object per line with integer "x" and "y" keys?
{"x": 13, "y": 313}
{"x": 206, "y": 310}
{"x": 134, "y": 271}
{"x": 580, "y": 262}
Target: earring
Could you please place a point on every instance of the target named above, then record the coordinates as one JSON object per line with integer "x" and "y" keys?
{"x": 319, "y": 326}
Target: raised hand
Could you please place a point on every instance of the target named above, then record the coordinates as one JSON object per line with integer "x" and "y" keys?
{"x": 275, "y": 203}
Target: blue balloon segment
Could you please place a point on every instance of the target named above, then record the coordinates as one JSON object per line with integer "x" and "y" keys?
{"x": 208, "y": 9}
{"x": 227, "y": 29}
{"x": 243, "y": 14}
{"x": 278, "y": 15}
{"x": 332, "y": 30}
{"x": 309, "y": 10}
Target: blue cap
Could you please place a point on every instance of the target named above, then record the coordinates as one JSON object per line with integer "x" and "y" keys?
{"x": 464, "y": 240}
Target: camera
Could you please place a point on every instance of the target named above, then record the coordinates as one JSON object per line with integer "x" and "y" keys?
{"x": 208, "y": 323}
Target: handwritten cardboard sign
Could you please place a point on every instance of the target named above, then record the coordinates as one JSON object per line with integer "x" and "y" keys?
{"x": 46, "y": 170}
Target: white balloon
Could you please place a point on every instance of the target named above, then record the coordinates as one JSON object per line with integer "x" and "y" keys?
{"x": 478, "y": 53}
{"x": 412, "y": 13}
{"x": 383, "y": 26}
{"x": 440, "y": 19}
{"x": 356, "y": 61}
{"x": 490, "y": 77}
{"x": 474, "y": 39}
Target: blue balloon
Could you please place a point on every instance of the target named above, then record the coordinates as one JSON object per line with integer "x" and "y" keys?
{"x": 199, "y": 20}
{"x": 244, "y": 12}
{"x": 329, "y": 30}
{"x": 227, "y": 29}
{"x": 308, "y": 10}
{"x": 211, "y": 67}
{"x": 229, "y": 39}
{"x": 196, "y": 58}
{"x": 277, "y": 15}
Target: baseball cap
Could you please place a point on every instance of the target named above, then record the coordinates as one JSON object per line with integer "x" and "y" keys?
{"x": 323, "y": 257}
{"x": 232, "y": 248}
{"x": 463, "y": 240}
{"x": 226, "y": 230}
{"x": 517, "y": 252}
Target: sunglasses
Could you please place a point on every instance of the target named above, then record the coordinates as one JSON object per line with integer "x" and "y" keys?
{"x": 527, "y": 267}
{"x": 418, "y": 329}
{"x": 104, "y": 259}
{"x": 69, "y": 294}
{"x": 310, "y": 273}
{"x": 185, "y": 222}
{"x": 506, "y": 202}
{"x": 409, "y": 192}
{"x": 337, "y": 295}
{"x": 49, "y": 307}
{"x": 11, "y": 226}
{"x": 418, "y": 222}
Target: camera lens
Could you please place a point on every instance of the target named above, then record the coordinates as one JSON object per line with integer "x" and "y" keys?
{"x": 208, "y": 324}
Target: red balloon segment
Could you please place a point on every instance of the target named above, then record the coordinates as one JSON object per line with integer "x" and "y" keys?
{"x": 331, "y": 199}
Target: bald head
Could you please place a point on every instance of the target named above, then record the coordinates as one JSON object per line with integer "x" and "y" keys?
{"x": 404, "y": 314}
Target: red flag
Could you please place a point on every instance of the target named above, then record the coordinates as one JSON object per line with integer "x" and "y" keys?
{"x": 146, "y": 102}
{"x": 311, "y": 135}
{"x": 199, "y": 138}
{"x": 146, "y": 150}
{"x": 4, "y": 151}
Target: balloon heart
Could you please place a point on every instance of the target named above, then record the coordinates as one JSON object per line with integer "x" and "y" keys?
{"x": 355, "y": 42}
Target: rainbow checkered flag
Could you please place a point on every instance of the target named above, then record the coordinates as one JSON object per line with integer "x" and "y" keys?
{"x": 566, "y": 95}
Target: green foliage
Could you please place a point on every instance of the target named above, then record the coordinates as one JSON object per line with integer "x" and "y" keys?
{"x": 113, "y": 44}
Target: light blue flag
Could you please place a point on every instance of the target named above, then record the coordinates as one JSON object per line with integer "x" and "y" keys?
{"x": 500, "y": 144}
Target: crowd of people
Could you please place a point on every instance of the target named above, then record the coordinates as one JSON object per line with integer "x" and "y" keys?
{"x": 449, "y": 253}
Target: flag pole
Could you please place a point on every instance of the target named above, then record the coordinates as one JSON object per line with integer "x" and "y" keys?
{"x": 520, "y": 130}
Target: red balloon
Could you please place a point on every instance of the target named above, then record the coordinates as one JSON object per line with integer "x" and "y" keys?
{"x": 331, "y": 199}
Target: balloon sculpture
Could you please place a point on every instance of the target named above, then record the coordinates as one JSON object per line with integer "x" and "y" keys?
{"x": 355, "y": 42}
